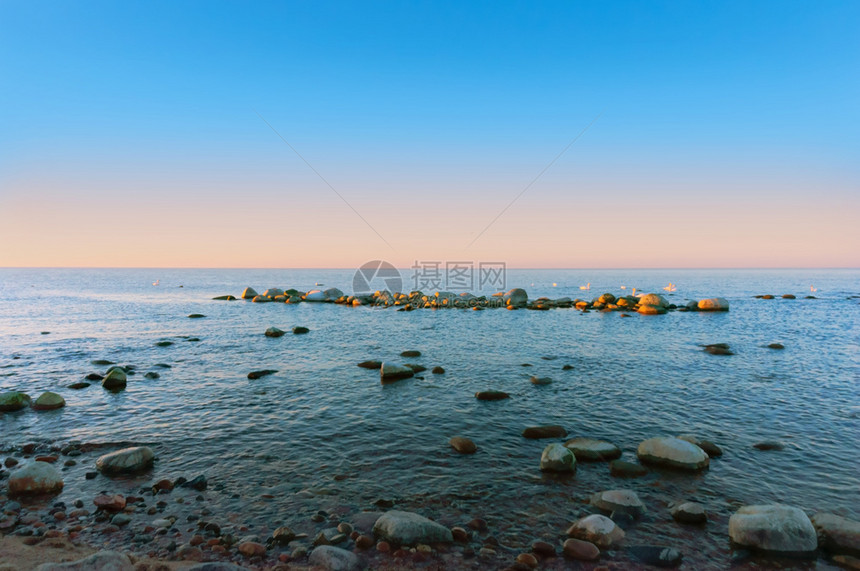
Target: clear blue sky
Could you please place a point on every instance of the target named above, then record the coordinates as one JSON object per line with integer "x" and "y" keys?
{"x": 119, "y": 106}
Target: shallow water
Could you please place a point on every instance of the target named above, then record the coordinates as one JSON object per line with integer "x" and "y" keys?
{"x": 328, "y": 429}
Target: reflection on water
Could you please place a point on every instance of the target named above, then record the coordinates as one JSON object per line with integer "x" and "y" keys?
{"x": 323, "y": 432}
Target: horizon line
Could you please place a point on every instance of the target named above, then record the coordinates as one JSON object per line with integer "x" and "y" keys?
{"x": 409, "y": 268}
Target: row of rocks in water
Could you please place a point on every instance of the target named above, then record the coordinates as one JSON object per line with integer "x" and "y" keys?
{"x": 516, "y": 298}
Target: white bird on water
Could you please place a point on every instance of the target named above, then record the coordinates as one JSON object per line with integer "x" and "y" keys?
{"x": 156, "y": 282}
{"x": 670, "y": 287}
{"x": 813, "y": 288}
{"x": 586, "y": 286}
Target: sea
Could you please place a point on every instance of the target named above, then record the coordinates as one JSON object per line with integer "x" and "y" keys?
{"x": 322, "y": 434}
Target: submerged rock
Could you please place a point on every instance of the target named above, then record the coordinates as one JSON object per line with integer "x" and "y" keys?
{"x": 557, "y": 458}
{"x": 541, "y": 380}
{"x": 254, "y": 375}
{"x": 622, "y": 469}
{"x": 389, "y": 373}
{"x": 548, "y": 431}
{"x": 127, "y": 460}
{"x": 298, "y": 330}
{"x": 35, "y": 478}
{"x": 775, "y": 528}
{"x": 14, "y": 400}
{"x": 224, "y": 298}
{"x": 718, "y": 349}
{"x": 437, "y": 370}
{"x": 769, "y": 445}
{"x": 463, "y": 445}
{"x": 274, "y": 332}
{"x": 49, "y": 401}
{"x": 656, "y": 555}
{"x": 196, "y": 316}
{"x": 491, "y": 395}
{"x": 407, "y": 528}
{"x": 370, "y": 364}
{"x": 673, "y": 453}
{"x": 411, "y": 353}
{"x": 593, "y": 449}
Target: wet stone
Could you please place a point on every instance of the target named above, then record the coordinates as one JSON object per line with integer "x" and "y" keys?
{"x": 463, "y": 445}
{"x": 254, "y": 375}
{"x": 769, "y": 445}
{"x": 580, "y": 550}
{"x": 622, "y": 469}
{"x": 656, "y": 555}
{"x": 689, "y": 512}
{"x": 491, "y": 395}
{"x": 549, "y": 431}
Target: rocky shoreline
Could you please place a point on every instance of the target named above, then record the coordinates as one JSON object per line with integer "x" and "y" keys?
{"x": 143, "y": 519}
{"x": 156, "y": 523}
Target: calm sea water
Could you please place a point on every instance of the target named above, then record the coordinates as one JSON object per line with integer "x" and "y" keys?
{"x": 323, "y": 433}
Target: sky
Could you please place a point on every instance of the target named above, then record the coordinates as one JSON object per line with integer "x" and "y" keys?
{"x": 325, "y": 134}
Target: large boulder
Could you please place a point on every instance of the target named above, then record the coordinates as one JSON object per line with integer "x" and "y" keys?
{"x": 593, "y": 449}
{"x": 713, "y": 304}
{"x": 598, "y": 529}
{"x": 389, "y": 373}
{"x": 407, "y": 528}
{"x": 673, "y": 453}
{"x": 654, "y": 299}
{"x": 49, "y": 401}
{"x": 625, "y": 501}
{"x": 647, "y": 309}
{"x": 272, "y": 292}
{"x": 13, "y": 400}
{"x": 35, "y": 478}
{"x": 837, "y": 534}
{"x": 315, "y": 295}
{"x": 517, "y": 297}
{"x": 776, "y": 528}
{"x": 557, "y": 458}
{"x": 249, "y": 293}
{"x": 101, "y": 561}
{"x": 127, "y": 460}
{"x": 116, "y": 379}
{"x": 334, "y": 558}
{"x": 333, "y": 293}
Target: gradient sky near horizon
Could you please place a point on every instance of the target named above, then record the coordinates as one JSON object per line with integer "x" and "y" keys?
{"x": 727, "y": 134}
